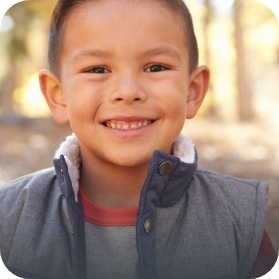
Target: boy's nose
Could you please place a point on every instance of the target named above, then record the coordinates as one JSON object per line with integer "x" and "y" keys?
{"x": 128, "y": 91}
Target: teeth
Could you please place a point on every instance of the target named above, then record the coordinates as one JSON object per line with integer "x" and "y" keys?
{"x": 119, "y": 125}
{"x": 125, "y": 127}
{"x": 122, "y": 125}
{"x": 134, "y": 126}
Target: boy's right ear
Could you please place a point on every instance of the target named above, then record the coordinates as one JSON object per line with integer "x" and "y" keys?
{"x": 52, "y": 91}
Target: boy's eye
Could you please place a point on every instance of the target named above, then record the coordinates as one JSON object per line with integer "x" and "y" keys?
{"x": 97, "y": 70}
{"x": 156, "y": 68}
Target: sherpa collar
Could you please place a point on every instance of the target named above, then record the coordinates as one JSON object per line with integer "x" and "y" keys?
{"x": 182, "y": 148}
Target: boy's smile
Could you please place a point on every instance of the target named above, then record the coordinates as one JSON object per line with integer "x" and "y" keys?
{"x": 127, "y": 124}
{"x": 123, "y": 124}
{"x": 124, "y": 83}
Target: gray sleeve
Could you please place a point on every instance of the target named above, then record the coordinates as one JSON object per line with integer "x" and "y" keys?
{"x": 258, "y": 228}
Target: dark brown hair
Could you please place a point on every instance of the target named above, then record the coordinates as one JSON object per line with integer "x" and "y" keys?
{"x": 64, "y": 7}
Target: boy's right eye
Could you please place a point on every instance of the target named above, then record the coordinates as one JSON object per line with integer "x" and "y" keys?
{"x": 97, "y": 70}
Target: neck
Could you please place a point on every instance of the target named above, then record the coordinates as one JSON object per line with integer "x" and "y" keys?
{"x": 120, "y": 189}
{"x": 123, "y": 186}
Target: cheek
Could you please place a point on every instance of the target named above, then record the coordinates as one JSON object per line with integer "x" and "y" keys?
{"x": 83, "y": 100}
{"x": 175, "y": 110}
{"x": 175, "y": 103}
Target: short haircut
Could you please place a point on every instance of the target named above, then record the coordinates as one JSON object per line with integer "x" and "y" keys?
{"x": 64, "y": 7}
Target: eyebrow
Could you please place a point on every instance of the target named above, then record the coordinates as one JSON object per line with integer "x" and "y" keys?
{"x": 162, "y": 50}
{"x": 85, "y": 53}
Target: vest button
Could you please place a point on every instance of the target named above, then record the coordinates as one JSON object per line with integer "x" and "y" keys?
{"x": 147, "y": 226}
{"x": 165, "y": 168}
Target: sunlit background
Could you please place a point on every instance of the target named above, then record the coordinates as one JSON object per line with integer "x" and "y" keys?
{"x": 237, "y": 129}
{"x": 237, "y": 39}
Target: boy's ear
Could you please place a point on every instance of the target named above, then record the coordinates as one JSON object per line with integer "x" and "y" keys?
{"x": 52, "y": 91}
{"x": 198, "y": 86}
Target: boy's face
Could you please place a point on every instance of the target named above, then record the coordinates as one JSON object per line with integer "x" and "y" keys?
{"x": 125, "y": 80}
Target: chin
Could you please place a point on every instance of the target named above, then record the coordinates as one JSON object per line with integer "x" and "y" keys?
{"x": 132, "y": 162}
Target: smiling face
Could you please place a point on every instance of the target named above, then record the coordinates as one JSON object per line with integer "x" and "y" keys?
{"x": 125, "y": 85}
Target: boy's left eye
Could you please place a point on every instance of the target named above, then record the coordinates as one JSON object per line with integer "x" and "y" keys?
{"x": 156, "y": 68}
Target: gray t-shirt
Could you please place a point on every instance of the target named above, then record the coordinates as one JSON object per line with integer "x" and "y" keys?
{"x": 111, "y": 252}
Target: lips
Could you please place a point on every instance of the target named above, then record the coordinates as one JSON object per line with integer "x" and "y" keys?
{"x": 127, "y": 125}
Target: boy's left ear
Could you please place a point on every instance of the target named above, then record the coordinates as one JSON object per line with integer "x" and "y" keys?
{"x": 198, "y": 86}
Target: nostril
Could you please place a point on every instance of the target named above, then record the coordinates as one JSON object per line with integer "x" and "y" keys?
{"x": 127, "y": 95}
{"x": 123, "y": 99}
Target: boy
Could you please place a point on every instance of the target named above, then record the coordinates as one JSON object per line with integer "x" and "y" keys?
{"x": 126, "y": 199}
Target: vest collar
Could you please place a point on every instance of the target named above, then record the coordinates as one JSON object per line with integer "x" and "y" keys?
{"x": 183, "y": 157}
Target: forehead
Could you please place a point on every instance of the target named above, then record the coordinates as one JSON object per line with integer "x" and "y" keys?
{"x": 108, "y": 9}
{"x": 119, "y": 6}
{"x": 122, "y": 23}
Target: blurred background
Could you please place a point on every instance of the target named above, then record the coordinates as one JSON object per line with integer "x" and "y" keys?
{"x": 237, "y": 129}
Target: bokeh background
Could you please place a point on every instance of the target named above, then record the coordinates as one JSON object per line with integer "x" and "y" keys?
{"x": 237, "y": 129}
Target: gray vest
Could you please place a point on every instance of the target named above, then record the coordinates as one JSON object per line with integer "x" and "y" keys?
{"x": 213, "y": 231}
{"x": 191, "y": 224}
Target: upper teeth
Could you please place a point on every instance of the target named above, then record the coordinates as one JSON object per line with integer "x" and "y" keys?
{"x": 114, "y": 124}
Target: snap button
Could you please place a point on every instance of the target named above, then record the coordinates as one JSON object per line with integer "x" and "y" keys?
{"x": 165, "y": 168}
{"x": 147, "y": 225}
{"x": 61, "y": 170}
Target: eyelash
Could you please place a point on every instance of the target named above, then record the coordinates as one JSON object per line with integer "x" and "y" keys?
{"x": 102, "y": 70}
{"x": 97, "y": 70}
{"x": 159, "y": 67}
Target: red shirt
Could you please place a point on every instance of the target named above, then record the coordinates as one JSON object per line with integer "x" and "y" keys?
{"x": 266, "y": 258}
{"x": 102, "y": 216}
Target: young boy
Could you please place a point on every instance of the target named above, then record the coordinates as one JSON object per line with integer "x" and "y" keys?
{"x": 125, "y": 199}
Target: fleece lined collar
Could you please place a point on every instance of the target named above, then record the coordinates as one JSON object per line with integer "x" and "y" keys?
{"x": 183, "y": 148}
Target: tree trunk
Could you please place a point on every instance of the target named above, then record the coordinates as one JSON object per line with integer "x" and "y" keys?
{"x": 244, "y": 92}
{"x": 6, "y": 96}
{"x": 212, "y": 110}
